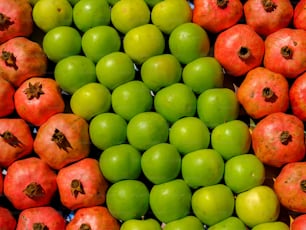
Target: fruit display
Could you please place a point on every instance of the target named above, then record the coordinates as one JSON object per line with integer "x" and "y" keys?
{"x": 152, "y": 114}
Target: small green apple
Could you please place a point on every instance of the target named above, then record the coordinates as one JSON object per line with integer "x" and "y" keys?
{"x": 230, "y": 223}
{"x": 274, "y": 225}
{"x": 185, "y": 223}
{"x": 145, "y": 224}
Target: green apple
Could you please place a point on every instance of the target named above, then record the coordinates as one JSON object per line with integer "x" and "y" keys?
{"x": 161, "y": 163}
{"x": 147, "y": 129}
{"x": 203, "y": 167}
{"x": 257, "y": 205}
{"x": 128, "y": 14}
{"x": 185, "y": 223}
{"x": 212, "y": 204}
{"x": 216, "y": 106}
{"x": 143, "y": 224}
{"x": 48, "y": 14}
{"x": 120, "y": 162}
{"x": 128, "y": 199}
{"x": 230, "y": 223}
{"x": 107, "y": 129}
{"x": 90, "y": 100}
{"x": 171, "y": 200}
{"x": 244, "y": 172}
{"x": 274, "y": 225}
{"x": 143, "y": 42}
{"x": 231, "y": 138}
{"x": 168, "y": 14}
{"x": 131, "y": 98}
{"x": 189, "y": 134}
{"x": 203, "y": 73}
{"x": 160, "y": 71}
{"x": 175, "y": 101}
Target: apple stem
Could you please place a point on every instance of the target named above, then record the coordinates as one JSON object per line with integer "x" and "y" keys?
{"x": 268, "y": 5}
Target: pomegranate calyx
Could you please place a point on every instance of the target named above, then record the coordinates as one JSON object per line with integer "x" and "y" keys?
{"x": 34, "y": 90}
{"x": 85, "y": 226}
{"x": 285, "y": 137}
{"x": 244, "y": 53}
{"x": 303, "y": 185}
{"x": 287, "y": 52}
{"x": 222, "y": 3}
{"x": 268, "y": 5}
{"x": 40, "y": 226}
{"x": 34, "y": 191}
{"x": 5, "y": 22}
{"x": 61, "y": 141}
{"x": 9, "y": 59}
{"x": 269, "y": 95}
{"x": 11, "y": 139}
{"x": 76, "y": 188}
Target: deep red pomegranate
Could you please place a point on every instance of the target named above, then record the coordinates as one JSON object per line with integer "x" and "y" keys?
{"x": 15, "y": 19}
{"x": 239, "y": 49}
{"x": 7, "y": 92}
{"x": 285, "y": 52}
{"x": 7, "y": 220}
{"x": 31, "y": 181}
{"x": 217, "y": 15}
{"x": 299, "y": 16}
{"x": 20, "y": 59}
{"x": 297, "y": 96}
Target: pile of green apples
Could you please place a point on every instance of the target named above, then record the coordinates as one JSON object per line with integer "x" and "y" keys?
{"x": 164, "y": 122}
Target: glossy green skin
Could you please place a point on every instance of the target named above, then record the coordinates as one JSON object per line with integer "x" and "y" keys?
{"x": 131, "y": 98}
{"x": 147, "y": 129}
{"x": 73, "y": 72}
{"x": 185, "y": 223}
{"x": 161, "y": 71}
{"x": 231, "y": 138}
{"x": 175, "y": 101}
{"x": 244, "y": 172}
{"x": 100, "y": 41}
{"x": 90, "y": 13}
{"x": 277, "y": 225}
{"x": 202, "y": 167}
{"x": 90, "y": 100}
{"x": 161, "y": 163}
{"x": 127, "y": 199}
{"x": 146, "y": 224}
{"x": 189, "y": 134}
{"x": 230, "y": 223}
{"x": 213, "y": 204}
{"x": 203, "y": 73}
{"x": 171, "y": 200}
{"x": 188, "y": 42}
{"x": 216, "y": 106}
{"x": 55, "y": 43}
{"x": 120, "y": 162}
{"x": 49, "y": 14}
{"x": 108, "y": 72}
{"x": 257, "y": 205}
{"x": 107, "y": 129}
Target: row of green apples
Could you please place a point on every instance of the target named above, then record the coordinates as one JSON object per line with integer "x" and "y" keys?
{"x": 139, "y": 88}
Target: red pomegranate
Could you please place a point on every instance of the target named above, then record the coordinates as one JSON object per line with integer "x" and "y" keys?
{"x": 299, "y": 16}
{"x": 297, "y": 96}
{"x": 7, "y": 92}
{"x": 7, "y": 220}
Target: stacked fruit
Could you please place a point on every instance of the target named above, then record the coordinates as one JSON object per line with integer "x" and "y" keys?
{"x": 152, "y": 114}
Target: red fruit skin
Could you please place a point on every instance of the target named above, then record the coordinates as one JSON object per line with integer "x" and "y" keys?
{"x": 96, "y": 217}
{"x": 299, "y": 16}
{"x": 7, "y": 92}
{"x": 239, "y": 49}
{"x": 25, "y": 173}
{"x": 7, "y": 220}
{"x": 48, "y": 145}
{"x": 299, "y": 223}
{"x": 297, "y": 96}
{"x": 38, "y": 108}
{"x": 278, "y": 139}
{"x": 16, "y": 140}
{"x": 82, "y": 184}
{"x": 21, "y": 59}
{"x": 290, "y": 186}
{"x": 1, "y": 183}
{"x": 46, "y": 216}
{"x": 19, "y": 22}
{"x": 263, "y": 92}
{"x": 268, "y": 20}
{"x": 216, "y": 16}
{"x": 285, "y": 52}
